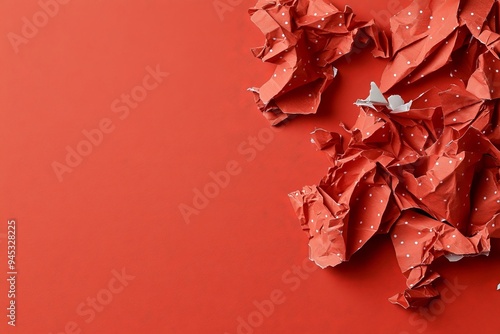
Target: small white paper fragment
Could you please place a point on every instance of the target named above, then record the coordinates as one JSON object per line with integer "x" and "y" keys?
{"x": 453, "y": 257}
{"x": 375, "y": 98}
{"x": 398, "y": 105}
{"x": 335, "y": 71}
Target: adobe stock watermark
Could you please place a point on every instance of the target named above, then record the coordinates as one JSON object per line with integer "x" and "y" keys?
{"x": 121, "y": 108}
{"x": 88, "y": 309}
{"x": 30, "y": 27}
{"x": 292, "y": 279}
{"x": 223, "y": 6}
{"x": 421, "y": 318}
{"x": 248, "y": 150}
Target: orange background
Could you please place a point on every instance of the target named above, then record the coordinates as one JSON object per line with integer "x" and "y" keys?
{"x": 119, "y": 208}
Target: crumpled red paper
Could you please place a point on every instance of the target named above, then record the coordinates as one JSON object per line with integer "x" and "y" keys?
{"x": 428, "y": 34}
{"x": 303, "y": 39}
{"x": 426, "y": 172}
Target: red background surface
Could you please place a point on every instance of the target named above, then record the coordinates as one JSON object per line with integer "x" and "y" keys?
{"x": 120, "y": 207}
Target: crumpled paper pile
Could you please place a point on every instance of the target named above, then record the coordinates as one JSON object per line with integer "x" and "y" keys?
{"x": 426, "y": 171}
{"x": 303, "y": 40}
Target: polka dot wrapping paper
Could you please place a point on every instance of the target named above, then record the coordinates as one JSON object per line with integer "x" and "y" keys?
{"x": 303, "y": 39}
{"x": 426, "y": 171}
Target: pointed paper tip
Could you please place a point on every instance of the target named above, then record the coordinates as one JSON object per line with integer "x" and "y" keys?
{"x": 375, "y": 98}
{"x": 376, "y": 95}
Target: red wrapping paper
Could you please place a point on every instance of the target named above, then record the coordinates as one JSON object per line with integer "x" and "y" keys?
{"x": 427, "y": 33}
{"x": 428, "y": 176}
{"x": 425, "y": 172}
{"x": 303, "y": 40}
